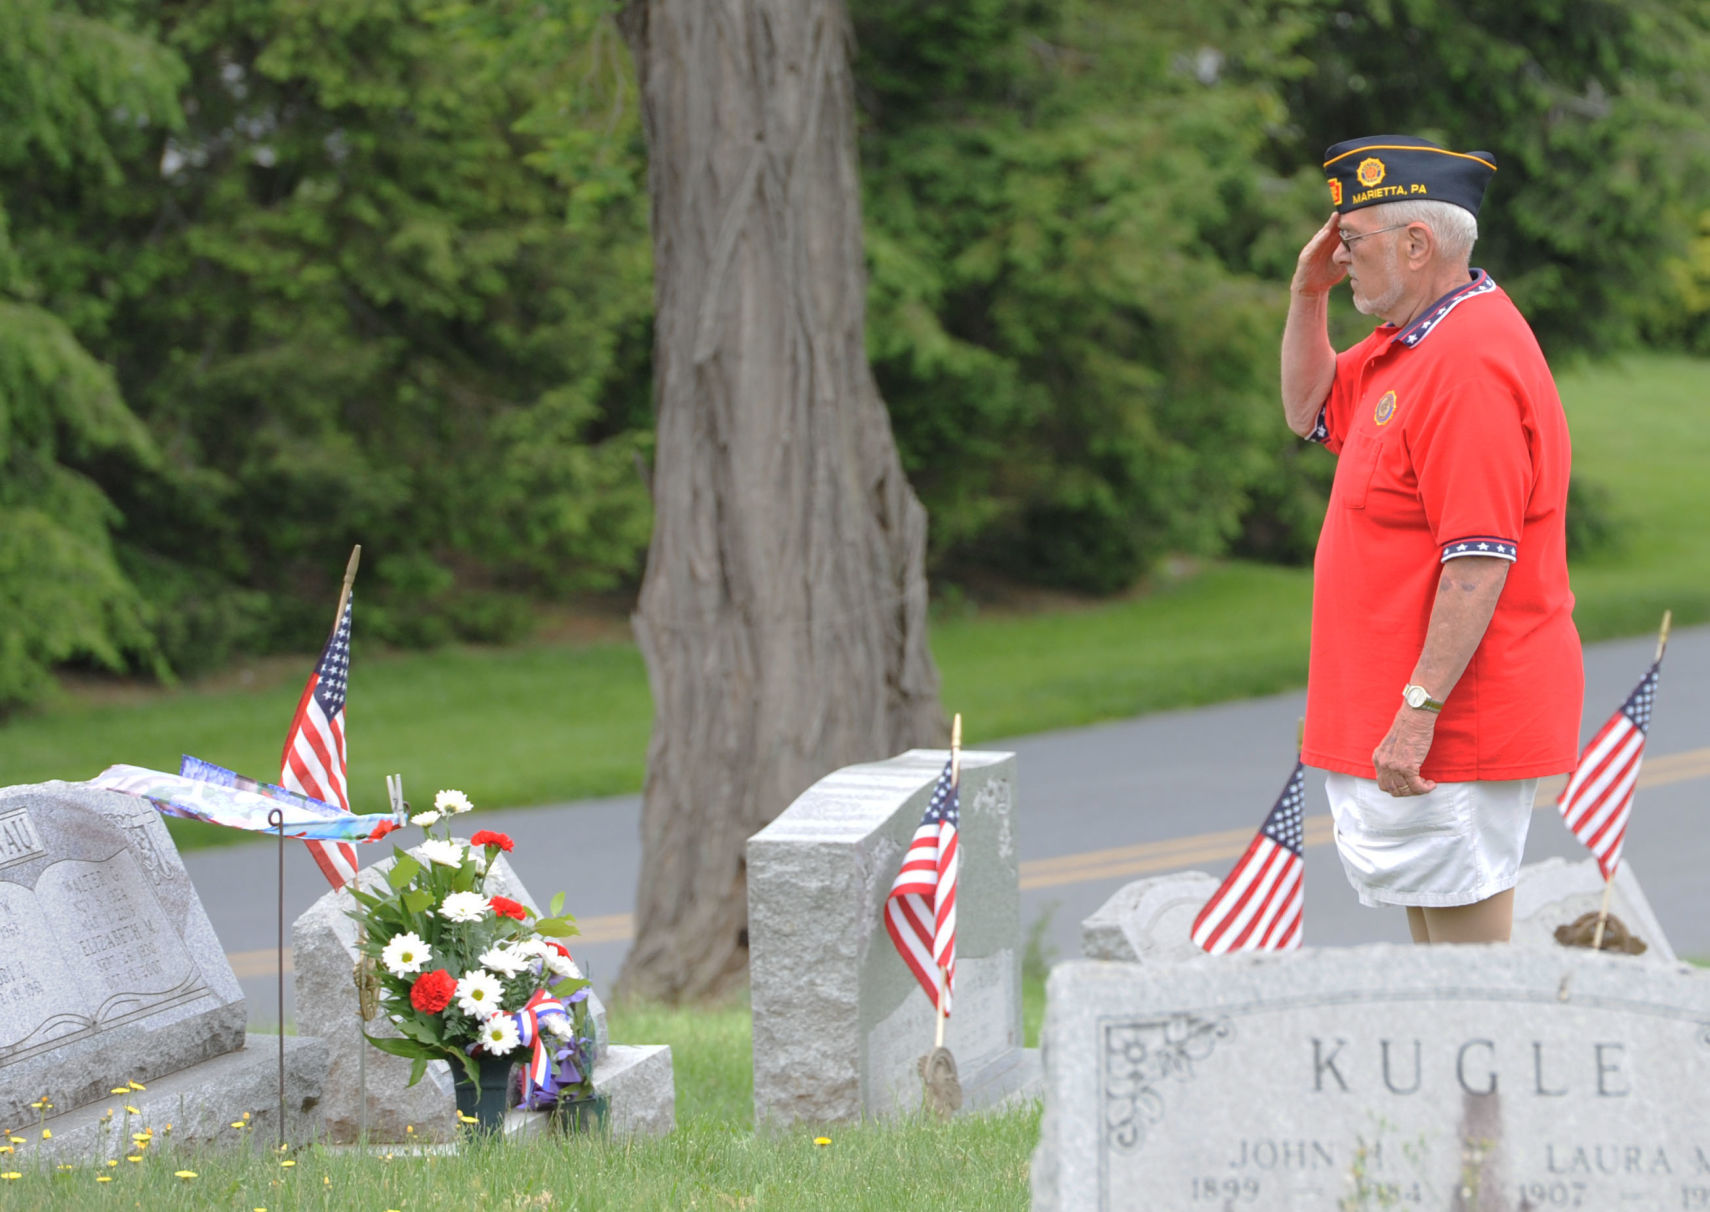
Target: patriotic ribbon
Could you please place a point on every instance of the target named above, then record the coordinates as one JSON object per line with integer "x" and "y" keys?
{"x": 240, "y": 807}
{"x": 550, "y": 1068}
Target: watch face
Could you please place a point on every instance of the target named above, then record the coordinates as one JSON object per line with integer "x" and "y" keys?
{"x": 1415, "y": 696}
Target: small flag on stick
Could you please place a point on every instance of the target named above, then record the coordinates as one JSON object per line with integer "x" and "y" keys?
{"x": 1259, "y": 904}
{"x": 920, "y": 910}
{"x": 1598, "y": 797}
{"x": 313, "y": 763}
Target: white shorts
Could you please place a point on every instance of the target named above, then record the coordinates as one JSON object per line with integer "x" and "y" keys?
{"x": 1455, "y": 846}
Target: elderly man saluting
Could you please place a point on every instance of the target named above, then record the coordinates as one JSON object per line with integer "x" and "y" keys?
{"x": 1446, "y": 674}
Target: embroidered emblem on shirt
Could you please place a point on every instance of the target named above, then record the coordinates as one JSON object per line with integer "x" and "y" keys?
{"x": 1370, "y": 172}
{"x": 1335, "y": 191}
{"x": 1385, "y": 408}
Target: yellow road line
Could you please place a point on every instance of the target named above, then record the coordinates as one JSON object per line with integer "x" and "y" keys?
{"x": 1167, "y": 855}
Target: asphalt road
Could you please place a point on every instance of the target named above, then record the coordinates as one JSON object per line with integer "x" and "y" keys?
{"x": 1098, "y": 807}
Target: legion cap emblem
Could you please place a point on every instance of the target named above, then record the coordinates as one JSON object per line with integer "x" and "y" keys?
{"x": 1370, "y": 172}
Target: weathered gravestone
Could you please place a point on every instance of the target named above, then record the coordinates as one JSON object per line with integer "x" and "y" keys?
{"x": 1489, "y": 1077}
{"x": 1149, "y": 920}
{"x": 638, "y": 1079}
{"x": 110, "y": 973}
{"x": 1555, "y": 893}
{"x": 839, "y": 1021}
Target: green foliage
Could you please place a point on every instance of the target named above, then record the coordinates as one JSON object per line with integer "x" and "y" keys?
{"x": 75, "y": 92}
{"x": 1080, "y": 380}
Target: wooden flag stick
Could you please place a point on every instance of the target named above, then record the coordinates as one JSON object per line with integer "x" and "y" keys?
{"x": 955, "y": 781}
{"x": 349, "y": 580}
{"x": 1609, "y": 884}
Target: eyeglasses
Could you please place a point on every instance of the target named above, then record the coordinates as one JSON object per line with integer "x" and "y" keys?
{"x": 1348, "y": 241}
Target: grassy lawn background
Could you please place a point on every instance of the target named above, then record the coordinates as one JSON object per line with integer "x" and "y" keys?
{"x": 548, "y": 721}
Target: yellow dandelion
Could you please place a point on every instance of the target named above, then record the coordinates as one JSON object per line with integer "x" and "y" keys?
{"x": 141, "y": 1138}
{"x": 38, "y": 1104}
{"x": 5, "y": 1148}
{"x": 409, "y": 1129}
{"x": 108, "y": 1116}
{"x": 103, "y": 1178}
{"x": 133, "y": 1157}
{"x": 287, "y": 1162}
{"x": 47, "y": 1133}
{"x": 184, "y": 1174}
{"x": 246, "y": 1114}
{"x": 112, "y": 1161}
{"x": 120, "y": 1090}
{"x": 17, "y": 1140}
{"x": 65, "y": 1165}
{"x": 137, "y": 1086}
{"x": 326, "y": 1180}
{"x": 168, "y": 1129}
{"x": 11, "y": 1174}
{"x": 132, "y": 1110}
{"x": 468, "y": 1119}
{"x": 822, "y": 1140}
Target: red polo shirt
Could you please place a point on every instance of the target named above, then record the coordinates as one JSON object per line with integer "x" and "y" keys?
{"x": 1452, "y": 442}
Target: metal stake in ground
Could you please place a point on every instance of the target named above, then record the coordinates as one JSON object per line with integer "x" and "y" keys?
{"x": 276, "y": 818}
{"x": 941, "y": 1088}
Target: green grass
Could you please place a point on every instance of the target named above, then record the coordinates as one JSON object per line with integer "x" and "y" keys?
{"x": 549, "y": 722}
{"x": 714, "y": 1160}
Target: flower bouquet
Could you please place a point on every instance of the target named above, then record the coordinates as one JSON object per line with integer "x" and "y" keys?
{"x": 465, "y": 977}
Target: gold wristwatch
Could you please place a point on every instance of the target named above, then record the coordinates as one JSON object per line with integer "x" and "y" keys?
{"x": 1415, "y": 695}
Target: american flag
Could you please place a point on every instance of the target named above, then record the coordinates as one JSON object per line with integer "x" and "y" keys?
{"x": 313, "y": 763}
{"x": 1258, "y": 905}
{"x": 1598, "y": 797}
{"x": 920, "y": 910}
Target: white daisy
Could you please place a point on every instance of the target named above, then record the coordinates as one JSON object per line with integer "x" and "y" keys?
{"x": 406, "y": 953}
{"x": 478, "y": 993}
{"x": 452, "y": 802}
{"x": 463, "y": 906}
{"x": 558, "y": 1025}
{"x": 534, "y": 948}
{"x": 506, "y": 961}
{"x": 563, "y": 965}
{"x": 499, "y": 1034}
{"x": 424, "y": 819}
{"x": 446, "y": 854}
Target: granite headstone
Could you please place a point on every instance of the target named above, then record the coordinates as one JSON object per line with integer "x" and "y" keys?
{"x": 840, "y": 1023}
{"x": 1471, "y": 1077}
{"x": 109, "y": 968}
{"x": 1149, "y": 920}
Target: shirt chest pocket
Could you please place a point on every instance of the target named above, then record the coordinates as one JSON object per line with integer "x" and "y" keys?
{"x": 1356, "y": 467}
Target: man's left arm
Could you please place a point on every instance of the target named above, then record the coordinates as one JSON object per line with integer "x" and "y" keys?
{"x": 1466, "y": 598}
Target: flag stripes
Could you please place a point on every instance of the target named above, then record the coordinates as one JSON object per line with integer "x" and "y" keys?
{"x": 1260, "y": 904}
{"x": 920, "y": 909}
{"x": 313, "y": 763}
{"x": 1598, "y": 798}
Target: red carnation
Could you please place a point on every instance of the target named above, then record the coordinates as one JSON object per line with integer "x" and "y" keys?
{"x": 432, "y": 991}
{"x": 560, "y": 948}
{"x": 486, "y": 837}
{"x": 504, "y": 906}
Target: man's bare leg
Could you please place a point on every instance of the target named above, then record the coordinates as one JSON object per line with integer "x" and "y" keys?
{"x": 1488, "y": 921}
{"x": 1416, "y": 924}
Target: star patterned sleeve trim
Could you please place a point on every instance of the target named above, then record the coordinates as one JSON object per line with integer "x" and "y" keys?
{"x": 1481, "y": 545}
{"x": 1321, "y": 427}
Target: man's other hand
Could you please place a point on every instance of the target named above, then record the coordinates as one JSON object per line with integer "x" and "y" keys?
{"x": 1403, "y": 752}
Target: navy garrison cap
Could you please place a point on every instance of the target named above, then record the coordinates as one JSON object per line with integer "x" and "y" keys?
{"x": 1396, "y": 168}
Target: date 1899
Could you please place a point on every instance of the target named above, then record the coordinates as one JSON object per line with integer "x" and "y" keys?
{"x": 1229, "y": 1191}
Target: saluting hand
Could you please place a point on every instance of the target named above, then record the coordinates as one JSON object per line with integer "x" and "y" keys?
{"x": 1316, "y": 271}
{"x": 1403, "y": 751}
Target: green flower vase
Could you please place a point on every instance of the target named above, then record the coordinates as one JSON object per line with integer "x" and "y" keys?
{"x": 487, "y": 1102}
{"x": 582, "y": 1116}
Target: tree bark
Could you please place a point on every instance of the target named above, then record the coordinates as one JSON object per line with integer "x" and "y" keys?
{"x": 783, "y": 612}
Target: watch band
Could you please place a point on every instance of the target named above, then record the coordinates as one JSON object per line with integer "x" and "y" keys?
{"x": 1416, "y": 696}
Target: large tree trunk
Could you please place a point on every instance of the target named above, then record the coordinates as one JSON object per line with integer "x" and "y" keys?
{"x": 783, "y": 614}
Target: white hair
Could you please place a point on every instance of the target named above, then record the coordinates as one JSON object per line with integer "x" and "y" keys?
{"x": 1455, "y": 227}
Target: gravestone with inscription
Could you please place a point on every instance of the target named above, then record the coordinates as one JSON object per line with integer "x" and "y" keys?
{"x": 1472, "y": 1077}
{"x": 839, "y": 1021}
{"x": 110, "y": 971}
